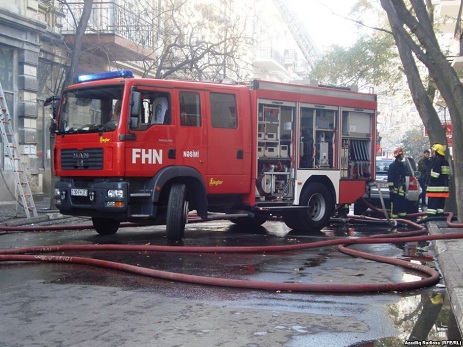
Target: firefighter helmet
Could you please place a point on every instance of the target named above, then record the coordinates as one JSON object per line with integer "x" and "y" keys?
{"x": 398, "y": 151}
{"x": 440, "y": 149}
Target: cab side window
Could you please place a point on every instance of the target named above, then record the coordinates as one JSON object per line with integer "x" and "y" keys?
{"x": 223, "y": 111}
{"x": 190, "y": 109}
{"x": 155, "y": 109}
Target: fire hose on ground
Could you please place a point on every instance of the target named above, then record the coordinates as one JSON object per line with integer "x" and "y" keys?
{"x": 429, "y": 275}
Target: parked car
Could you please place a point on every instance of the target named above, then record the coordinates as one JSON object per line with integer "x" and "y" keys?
{"x": 372, "y": 196}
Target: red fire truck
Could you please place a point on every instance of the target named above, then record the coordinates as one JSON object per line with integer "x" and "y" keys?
{"x": 150, "y": 151}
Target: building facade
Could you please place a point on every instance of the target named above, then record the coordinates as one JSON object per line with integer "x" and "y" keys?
{"x": 36, "y": 42}
{"x": 20, "y": 47}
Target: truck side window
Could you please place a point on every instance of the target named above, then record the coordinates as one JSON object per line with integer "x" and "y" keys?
{"x": 190, "y": 109}
{"x": 306, "y": 142}
{"x": 159, "y": 110}
{"x": 155, "y": 109}
{"x": 223, "y": 110}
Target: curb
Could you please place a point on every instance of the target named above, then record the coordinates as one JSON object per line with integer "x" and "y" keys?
{"x": 450, "y": 259}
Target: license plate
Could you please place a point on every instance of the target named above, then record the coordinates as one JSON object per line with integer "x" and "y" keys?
{"x": 79, "y": 192}
{"x": 382, "y": 184}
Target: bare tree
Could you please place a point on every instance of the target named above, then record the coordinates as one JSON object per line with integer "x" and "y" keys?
{"x": 415, "y": 38}
{"x": 196, "y": 41}
{"x": 174, "y": 38}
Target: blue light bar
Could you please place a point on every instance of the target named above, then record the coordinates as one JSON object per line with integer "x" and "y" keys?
{"x": 104, "y": 76}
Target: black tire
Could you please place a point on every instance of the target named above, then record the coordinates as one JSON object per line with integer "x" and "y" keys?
{"x": 359, "y": 208}
{"x": 249, "y": 222}
{"x": 291, "y": 219}
{"x": 177, "y": 212}
{"x": 105, "y": 226}
{"x": 320, "y": 207}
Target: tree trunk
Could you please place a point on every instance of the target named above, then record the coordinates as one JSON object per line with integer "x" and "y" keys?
{"x": 75, "y": 53}
{"x": 415, "y": 37}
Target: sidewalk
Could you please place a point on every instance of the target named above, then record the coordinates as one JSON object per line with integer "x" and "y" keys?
{"x": 449, "y": 255}
{"x": 12, "y": 213}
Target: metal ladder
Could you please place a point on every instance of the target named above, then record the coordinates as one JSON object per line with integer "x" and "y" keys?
{"x": 12, "y": 155}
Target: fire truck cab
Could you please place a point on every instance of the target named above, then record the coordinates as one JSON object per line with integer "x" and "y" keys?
{"x": 150, "y": 151}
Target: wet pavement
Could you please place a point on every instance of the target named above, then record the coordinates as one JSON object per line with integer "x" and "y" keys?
{"x": 78, "y": 305}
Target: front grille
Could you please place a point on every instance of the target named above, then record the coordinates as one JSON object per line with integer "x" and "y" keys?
{"x": 86, "y": 159}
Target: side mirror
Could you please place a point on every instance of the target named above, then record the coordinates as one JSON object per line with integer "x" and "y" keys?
{"x": 54, "y": 102}
{"x": 135, "y": 104}
{"x": 133, "y": 122}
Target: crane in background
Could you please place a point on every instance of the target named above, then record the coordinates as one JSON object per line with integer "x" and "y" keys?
{"x": 299, "y": 32}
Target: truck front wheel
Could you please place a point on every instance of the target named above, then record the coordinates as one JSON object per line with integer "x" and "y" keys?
{"x": 105, "y": 226}
{"x": 177, "y": 212}
{"x": 319, "y": 202}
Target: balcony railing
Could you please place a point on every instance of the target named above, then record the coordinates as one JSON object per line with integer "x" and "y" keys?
{"x": 109, "y": 18}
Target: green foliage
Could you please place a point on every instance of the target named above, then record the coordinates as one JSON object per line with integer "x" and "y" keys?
{"x": 371, "y": 61}
{"x": 414, "y": 143}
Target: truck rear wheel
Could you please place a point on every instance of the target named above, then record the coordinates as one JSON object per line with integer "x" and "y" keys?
{"x": 320, "y": 207}
{"x": 105, "y": 226}
{"x": 177, "y": 212}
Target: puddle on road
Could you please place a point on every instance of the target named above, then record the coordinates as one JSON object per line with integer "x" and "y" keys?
{"x": 424, "y": 319}
{"x": 421, "y": 320}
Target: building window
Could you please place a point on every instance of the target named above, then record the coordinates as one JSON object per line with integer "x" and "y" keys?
{"x": 7, "y": 82}
{"x": 6, "y": 67}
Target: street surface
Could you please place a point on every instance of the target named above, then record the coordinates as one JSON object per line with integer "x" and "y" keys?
{"x": 48, "y": 304}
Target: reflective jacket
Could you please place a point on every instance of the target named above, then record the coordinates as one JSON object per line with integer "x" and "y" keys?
{"x": 438, "y": 180}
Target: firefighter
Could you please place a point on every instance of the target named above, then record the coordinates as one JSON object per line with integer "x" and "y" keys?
{"x": 438, "y": 181}
{"x": 396, "y": 183}
{"x": 423, "y": 169}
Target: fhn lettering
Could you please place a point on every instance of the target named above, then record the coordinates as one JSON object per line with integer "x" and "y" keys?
{"x": 146, "y": 156}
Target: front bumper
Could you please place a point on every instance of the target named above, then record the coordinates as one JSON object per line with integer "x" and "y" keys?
{"x": 90, "y": 197}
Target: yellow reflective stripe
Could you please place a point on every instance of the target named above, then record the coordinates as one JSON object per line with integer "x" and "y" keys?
{"x": 445, "y": 170}
{"x": 434, "y": 174}
{"x": 433, "y": 189}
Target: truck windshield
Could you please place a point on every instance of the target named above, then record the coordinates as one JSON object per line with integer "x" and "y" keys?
{"x": 90, "y": 110}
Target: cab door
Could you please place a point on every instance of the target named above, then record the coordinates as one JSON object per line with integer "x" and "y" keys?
{"x": 191, "y": 144}
{"x": 229, "y": 144}
{"x": 154, "y": 132}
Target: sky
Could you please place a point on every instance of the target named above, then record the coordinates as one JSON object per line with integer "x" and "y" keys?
{"x": 324, "y": 22}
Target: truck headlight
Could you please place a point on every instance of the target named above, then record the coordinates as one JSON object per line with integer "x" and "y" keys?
{"x": 115, "y": 193}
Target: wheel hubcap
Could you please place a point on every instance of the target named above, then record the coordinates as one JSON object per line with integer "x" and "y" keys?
{"x": 317, "y": 207}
